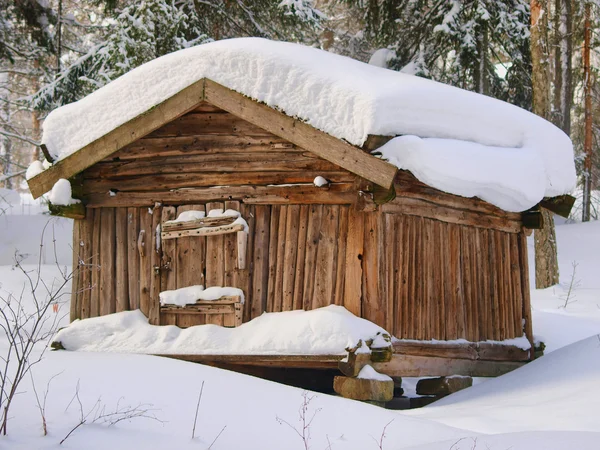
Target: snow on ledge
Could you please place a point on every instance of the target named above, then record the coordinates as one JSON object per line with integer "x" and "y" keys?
{"x": 188, "y": 295}
{"x": 323, "y": 331}
{"x": 345, "y": 98}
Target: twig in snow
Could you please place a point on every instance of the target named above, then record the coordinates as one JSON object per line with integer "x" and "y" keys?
{"x": 197, "y": 408}
{"x": 97, "y": 413}
{"x": 306, "y": 422}
{"x": 42, "y": 405}
{"x": 573, "y": 285}
{"x": 382, "y": 437}
{"x": 215, "y": 439}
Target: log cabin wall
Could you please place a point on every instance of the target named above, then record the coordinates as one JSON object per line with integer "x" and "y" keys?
{"x": 427, "y": 265}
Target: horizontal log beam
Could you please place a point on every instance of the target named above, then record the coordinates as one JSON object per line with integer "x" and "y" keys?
{"x": 284, "y": 361}
{"x": 336, "y": 194}
{"x": 207, "y": 179}
{"x": 424, "y": 366}
{"x": 423, "y": 208}
{"x": 472, "y": 350}
{"x": 74, "y": 211}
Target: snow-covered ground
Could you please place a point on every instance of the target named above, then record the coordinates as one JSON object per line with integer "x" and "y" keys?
{"x": 550, "y": 404}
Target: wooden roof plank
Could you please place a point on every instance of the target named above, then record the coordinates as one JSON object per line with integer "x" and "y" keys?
{"x": 172, "y": 108}
{"x": 301, "y": 134}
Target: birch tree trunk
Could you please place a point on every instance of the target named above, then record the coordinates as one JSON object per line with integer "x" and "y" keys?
{"x": 546, "y": 260}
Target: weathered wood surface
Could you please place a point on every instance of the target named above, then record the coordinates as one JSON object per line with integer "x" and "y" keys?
{"x": 301, "y": 134}
{"x": 170, "y": 109}
{"x": 338, "y": 193}
{"x": 421, "y": 366}
{"x": 471, "y": 350}
{"x": 419, "y": 278}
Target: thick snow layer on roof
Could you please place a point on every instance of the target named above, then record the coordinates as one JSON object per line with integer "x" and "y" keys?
{"x": 338, "y": 95}
{"x": 323, "y": 331}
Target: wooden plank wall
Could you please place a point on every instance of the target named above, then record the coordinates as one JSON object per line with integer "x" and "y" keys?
{"x": 113, "y": 275}
{"x": 417, "y": 277}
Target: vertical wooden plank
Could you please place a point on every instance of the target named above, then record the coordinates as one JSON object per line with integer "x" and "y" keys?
{"x": 407, "y": 300}
{"x": 438, "y": 305}
{"x": 373, "y": 306}
{"x": 87, "y": 226}
{"x": 146, "y": 246}
{"x": 215, "y": 253}
{"x": 243, "y": 277}
{"x": 121, "y": 266}
{"x": 524, "y": 268}
{"x": 300, "y": 257}
{"x": 215, "y": 262}
{"x": 517, "y": 291}
{"x": 169, "y": 265}
{"x": 190, "y": 255}
{"x": 468, "y": 282}
{"x": 493, "y": 282}
{"x": 391, "y": 270}
{"x": 511, "y": 332}
{"x": 290, "y": 256}
{"x": 486, "y": 330}
{"x": 312, "y": 242}
{"x": 450, "y": 308}
{"x": 273, "y": 245}
{"x": 457, "y": 280}
{"x": 77, "y": 267}
{"x": 95, "y": 276}
{"x": 413, "y": 279}
{"x": 155, "y": 261}
{"x": 107, "y": 262}
{"x": 230, "y": 270}
{"x": 354, "y": 257}
{"x": 475, "y": 275}
{"x": 325, "y": 270}
{"x": 428, "y": 313}
{"x": 133, "y": 257}
{"x": 499, "y": 269}
{"x": 260, "y": 269}
{"x": 396, "y": 296}
{"x": 419, "y": 280}
{"x": 280, "y": 255}
{"x": 340, "y": 273}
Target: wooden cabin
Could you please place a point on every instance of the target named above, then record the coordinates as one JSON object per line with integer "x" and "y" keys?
{"x": 423, "y": 264}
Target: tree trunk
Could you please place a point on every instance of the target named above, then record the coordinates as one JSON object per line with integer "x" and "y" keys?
{"x": 587, "y": 143}
{"x": 546, "y": 260}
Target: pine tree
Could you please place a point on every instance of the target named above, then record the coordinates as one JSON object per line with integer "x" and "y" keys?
{"x": 459, "y": 43}
{"x": 152, "y": 28}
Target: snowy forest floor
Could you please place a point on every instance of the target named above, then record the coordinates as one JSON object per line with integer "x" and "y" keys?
{"x": 552, "y": 403}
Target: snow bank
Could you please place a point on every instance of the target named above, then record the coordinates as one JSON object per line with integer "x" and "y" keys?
{"x": 340, "y": 96}
{"x": 555, "y": 392}
{"x": 322, "y": 331}
{"x": 188, "y": 295}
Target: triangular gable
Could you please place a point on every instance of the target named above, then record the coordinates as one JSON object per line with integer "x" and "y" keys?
{"x": 297, "y": 132}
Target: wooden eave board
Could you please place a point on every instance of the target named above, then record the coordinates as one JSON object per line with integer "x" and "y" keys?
{"x": 297, "y": 132}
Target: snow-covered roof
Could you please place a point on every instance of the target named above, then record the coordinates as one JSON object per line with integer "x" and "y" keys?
{"x": 478, "y": 146}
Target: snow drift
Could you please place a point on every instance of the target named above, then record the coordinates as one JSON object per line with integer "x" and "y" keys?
{"x": 323, "y": 331}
